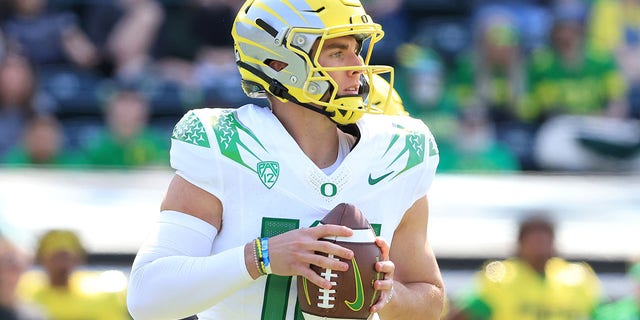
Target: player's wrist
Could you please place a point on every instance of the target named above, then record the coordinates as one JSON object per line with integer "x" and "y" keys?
{"x": 257, "y": 259}
{"x": 250, "y": 260}
{"x": 262, "y": 258}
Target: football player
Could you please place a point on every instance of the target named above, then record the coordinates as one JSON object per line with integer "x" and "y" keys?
{"x": 237, "y": 221}
{"x": 533, "y": 284}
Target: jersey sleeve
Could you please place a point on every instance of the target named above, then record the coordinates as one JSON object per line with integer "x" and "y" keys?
{"x": 425, "y": 140}
{"x": 194, "y": 154}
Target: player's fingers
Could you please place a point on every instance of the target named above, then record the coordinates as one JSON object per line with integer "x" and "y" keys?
{"x": 330, "y": 230}
{"x": 383, "y": 285}
{"x": 330, "y": 248}
{"x": 326, "y": 262}
{"x": 387, "y": 267}
{"x": 386, "y": 295}
{"x": 316, "y": 279}
{"x": 384, "y": 247}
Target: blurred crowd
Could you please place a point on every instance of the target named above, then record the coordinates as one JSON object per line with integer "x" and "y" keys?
{"x": 505, "y": 86}
{"x": 88, "y": 84}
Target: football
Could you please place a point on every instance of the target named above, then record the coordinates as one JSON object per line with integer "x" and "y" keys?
{"x": 352, "y": 293}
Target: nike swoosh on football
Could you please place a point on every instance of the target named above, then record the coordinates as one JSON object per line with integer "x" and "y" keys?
{"x": 373, "y": 181}
{"x": 358, "y": 302}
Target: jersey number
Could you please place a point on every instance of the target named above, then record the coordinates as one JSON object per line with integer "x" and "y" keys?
{"x": 276, "y": 293}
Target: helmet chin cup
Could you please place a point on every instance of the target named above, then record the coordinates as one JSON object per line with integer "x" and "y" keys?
{"x": 384, "y": 97}
{"x": 342, "y": 115}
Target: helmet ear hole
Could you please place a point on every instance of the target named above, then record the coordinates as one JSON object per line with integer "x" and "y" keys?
{"x": 275, "y": 64}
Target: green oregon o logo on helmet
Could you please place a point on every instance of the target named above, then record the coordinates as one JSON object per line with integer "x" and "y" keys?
{"x": 288, "y": 31}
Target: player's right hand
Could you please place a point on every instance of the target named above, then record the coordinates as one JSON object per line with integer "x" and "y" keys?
{"x": 292, "y": 253}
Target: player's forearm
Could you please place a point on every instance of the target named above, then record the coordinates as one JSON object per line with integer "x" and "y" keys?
{"x": 414, "y": 301}
{"x": 175, "y": 276}
{"x": 178, "y": 286}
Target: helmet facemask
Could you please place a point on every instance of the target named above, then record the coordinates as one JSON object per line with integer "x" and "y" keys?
{"x": 321, "y": 89}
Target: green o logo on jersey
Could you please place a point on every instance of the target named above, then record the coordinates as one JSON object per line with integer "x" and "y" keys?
{"x": 268, "y": 171}
{"x": 328, "y": 189}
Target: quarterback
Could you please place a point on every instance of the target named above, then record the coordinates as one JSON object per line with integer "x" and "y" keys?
{"x": 238, "y": 221}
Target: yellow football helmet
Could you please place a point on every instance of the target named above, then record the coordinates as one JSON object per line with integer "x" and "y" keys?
{"x": 385, "y": 97}
{"x": 286, "y": 31}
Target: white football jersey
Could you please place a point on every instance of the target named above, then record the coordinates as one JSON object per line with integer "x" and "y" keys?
{"x": 268, "y": 186}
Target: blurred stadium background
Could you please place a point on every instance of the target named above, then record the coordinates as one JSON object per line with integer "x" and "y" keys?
{"x": 477, "y": 198}
{"x": 473, "y": 217}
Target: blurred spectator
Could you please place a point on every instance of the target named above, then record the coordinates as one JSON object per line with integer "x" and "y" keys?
{"x": 491, "y": 76}
{"x": 125, "y": 31}
{"x": 48, "y": 38}
{"x": 420, "y": 81}
{"x": 614, "y": 25}
{"x": 13, "y": 263}
{"x": 63, "y": 295}
{"x": 490, "y": 82}
{"x": 127, "y": 139}
{"x": 625, "y": 308}
{"x": 531, "y": 16}
{"x": 535, "y": 284}
{"x": 42, "y": 145}
{"x": 578, "y": 97}
{"x": 19, "y": 100}
{"x": 570, "y": 77}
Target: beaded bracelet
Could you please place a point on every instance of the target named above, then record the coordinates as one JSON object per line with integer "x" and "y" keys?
{"x": 255, "y": 258}
{"x": 257, "y": 250}
{"x": 265, "y": 255}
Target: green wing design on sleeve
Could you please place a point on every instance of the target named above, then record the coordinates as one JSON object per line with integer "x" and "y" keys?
{"x": 190, "y": 130}
{"x": 414, "y": 148}
{"x": 227, "y": 130}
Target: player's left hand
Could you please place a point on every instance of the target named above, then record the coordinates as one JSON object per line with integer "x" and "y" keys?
{"x": 385, "y": 286}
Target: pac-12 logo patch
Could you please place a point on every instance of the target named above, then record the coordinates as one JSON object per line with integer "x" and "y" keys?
{"x": 268, "y": 172}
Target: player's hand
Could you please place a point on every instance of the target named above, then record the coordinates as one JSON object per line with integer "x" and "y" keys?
{"x": 292, "y": 253}
{"x": 385, "y": 286}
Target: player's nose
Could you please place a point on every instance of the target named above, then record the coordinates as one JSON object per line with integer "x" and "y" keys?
{"x": 355, "y": 60}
